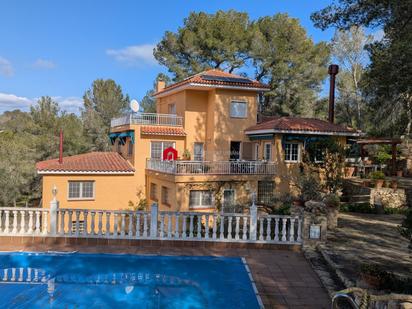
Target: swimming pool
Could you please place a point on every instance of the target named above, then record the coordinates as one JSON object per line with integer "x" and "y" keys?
{"x": 77, "y": 280}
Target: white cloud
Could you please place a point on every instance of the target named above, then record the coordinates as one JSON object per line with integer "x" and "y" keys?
{"x": 10, "y": 102}
{"x": 6, "y": 68}
{"x": 134, "y": 55}
{"x": 44, "y": 64}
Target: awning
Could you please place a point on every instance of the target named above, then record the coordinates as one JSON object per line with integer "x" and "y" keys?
{"x": 122, "y": 136}
{"x": 260, "y": 137}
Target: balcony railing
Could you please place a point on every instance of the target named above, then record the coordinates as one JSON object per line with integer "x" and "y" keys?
{"x": 148, "y": 119}
{"x": 212, "y": 167}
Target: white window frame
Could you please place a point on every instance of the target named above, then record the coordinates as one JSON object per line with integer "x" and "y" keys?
{"x": 171, "y": 106}
{"x": 162, "y": 148}
{"x": 238, "y": 102}
{"x": 299, "y": 152}
{"x": 270, "y": 151}
{"x": 201, "y": 206}
{"x": 256, "y": 151}
{"x": 81, "y": 198}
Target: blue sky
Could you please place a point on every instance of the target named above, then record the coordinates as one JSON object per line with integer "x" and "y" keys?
{"x": 58, "y": 48}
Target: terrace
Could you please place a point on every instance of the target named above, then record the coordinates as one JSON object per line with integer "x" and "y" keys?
{"x": 212, "y": 167}
{"x": 148, "y": 119}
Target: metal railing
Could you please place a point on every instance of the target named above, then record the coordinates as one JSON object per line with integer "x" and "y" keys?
{"x": 148, "y": 119}
{"x": 212, "y": 167}
{"x": 153, "y": 224}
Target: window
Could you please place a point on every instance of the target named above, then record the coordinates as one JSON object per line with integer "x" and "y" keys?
{"x": 265, "y": 191}
{"x": 256, "y": 154}
{"x": 172, "y": 109}
{"x": 157, "y": 148}
{"x": 130, "y": 148}
{"x": 153, "y": 191}
{"x": 235, "y": 150}
{"x": 268, "y": 152}
{"x": 119, "y": 146}
{"x": 198, "y": 152}
{"x": 228, "y": 197}
{"x": 81, "y": 190}
{"x": 238, "y": 109}
{"x": 200, "y": 199}
{"x": 292, "y": 152}
{"x": 165, "y": 196}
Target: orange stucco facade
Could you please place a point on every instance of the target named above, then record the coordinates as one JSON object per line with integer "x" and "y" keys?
{"x": 206, "y": 119}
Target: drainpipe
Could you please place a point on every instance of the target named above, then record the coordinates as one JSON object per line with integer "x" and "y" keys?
{"x": 61, "y": 147}
{"x": 332, "y": 71}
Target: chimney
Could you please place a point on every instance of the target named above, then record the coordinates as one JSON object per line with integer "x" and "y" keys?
{"x": 333, "y": 70}
{"x": 61, "y": 147}
{"x": 161, "y": 84}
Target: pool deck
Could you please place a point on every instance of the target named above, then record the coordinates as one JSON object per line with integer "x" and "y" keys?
{"x": 284, "y": 278}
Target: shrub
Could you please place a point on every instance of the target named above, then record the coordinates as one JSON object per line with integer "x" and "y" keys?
{"x": 332, "y": 200}
{"x": 365, "y": 208}
{"x": 378, "y": 175}
{"x": 309, "y": 188}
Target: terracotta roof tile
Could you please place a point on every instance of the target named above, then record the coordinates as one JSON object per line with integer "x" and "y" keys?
{"x": 201, "y": 78}
{"x": 108, "y": 162}
{"x": 160, "y": 130}
{"x": 300, "y": 124}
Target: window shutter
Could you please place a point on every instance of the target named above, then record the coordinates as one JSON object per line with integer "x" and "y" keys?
{"x": 247, "y": 151}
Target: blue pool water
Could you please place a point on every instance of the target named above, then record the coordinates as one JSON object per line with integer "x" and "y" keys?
{"x": 44, "y": 280}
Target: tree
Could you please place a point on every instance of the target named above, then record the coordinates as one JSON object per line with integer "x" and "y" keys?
{"x": 292, "y": 64}
{"x": 205, "y": 41}
{"x": 388, "y": 78}
{"x": 102, "y": 102}
{"x": 148, "y": 103}
{"x": 348, "y": 48}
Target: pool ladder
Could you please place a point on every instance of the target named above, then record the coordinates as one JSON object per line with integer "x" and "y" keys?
{"x": 343, "y": 299}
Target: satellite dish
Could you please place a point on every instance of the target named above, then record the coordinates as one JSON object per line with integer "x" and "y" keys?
{"x": 134, "y": 106}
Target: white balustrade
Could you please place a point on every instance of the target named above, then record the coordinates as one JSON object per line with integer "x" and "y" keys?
{"x": 22, "y": 221}
{"x": 154, "y": 224}
{"x": 212, "y": 167}
{"x": 151, "y": 119}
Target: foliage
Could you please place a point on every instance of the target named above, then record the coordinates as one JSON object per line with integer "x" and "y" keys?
{"x": 388, "y": 78}
{"x": 141, "y": 203}
{"x": 334, "y": 163}
{"x": 219, "y": 41}
{"x": 358, "y": 208}
{"x": 148, "y": 103}
{"x": 278, "y": 205}
{"x": 317, "y": 149}
{"x": 383, "y": 156}
{"x": 332, "y": 200}
{"x": 186, "y": 154}
{"x": 277, "y": 48}
{"x": 310, "y": 188}
{"x": 405, "y": 229}
{"x": 290, "y": 62}
{"x": 385, "y": 280}
{"x": 377, "y": 175}
{"x": 102, "y": 102}
{"x": 348, "y": 48}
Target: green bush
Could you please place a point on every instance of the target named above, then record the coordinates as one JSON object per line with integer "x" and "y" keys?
{"x": 332, "y": 200}
{"x": 364, "y": 208}
{"x": 378, "y": 175}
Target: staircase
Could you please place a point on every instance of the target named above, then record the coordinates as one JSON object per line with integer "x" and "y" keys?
{"x": 354, "y": 193}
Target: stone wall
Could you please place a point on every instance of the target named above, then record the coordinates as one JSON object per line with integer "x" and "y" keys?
{"x": 388, "y": 197}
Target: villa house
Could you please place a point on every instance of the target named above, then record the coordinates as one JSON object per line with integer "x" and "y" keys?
{"x": 203, "y": 149}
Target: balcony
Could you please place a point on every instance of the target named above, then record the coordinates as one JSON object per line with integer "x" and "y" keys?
{"x": 212, "y": 167}
{"x": 151, "y": 119}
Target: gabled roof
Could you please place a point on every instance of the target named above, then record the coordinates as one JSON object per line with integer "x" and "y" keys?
{"x": 88, "y": 163}
{"x": 160, "y": 130}
{"x": 300, "y": 125}
{"x": 216, "y": 78}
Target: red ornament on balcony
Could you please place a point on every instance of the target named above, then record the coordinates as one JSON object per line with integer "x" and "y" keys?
{"x": 169, "y": 154}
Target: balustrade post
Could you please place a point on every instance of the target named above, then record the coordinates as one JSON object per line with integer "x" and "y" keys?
{"x": 54, "y": 207}
{"x": 154, "y": 211}
{"x": 253, "y": 219}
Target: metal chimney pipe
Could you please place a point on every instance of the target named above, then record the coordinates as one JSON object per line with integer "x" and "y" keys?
{"x": 333, "y": 70}
{"x": 61, "y": 147}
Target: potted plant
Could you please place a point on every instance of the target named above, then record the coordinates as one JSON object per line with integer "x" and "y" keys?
{"x": 349, "y": 171}
{"x": 186, "y": 155}
{"x": 379, "y": 178}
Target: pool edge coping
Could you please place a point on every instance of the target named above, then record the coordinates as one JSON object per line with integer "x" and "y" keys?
{"x": 252, "y": 281}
